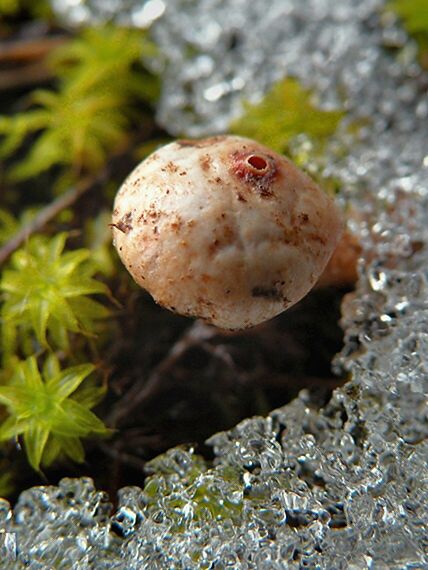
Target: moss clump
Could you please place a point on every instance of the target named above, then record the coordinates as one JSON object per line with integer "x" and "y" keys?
{"x": 286, "y": 112}
{"x": 189, "y": 491}
{"x": 42, "y": 409}
{"x": 45, "y": 294}
{"x": 414, "y": 16}
{"x": 78, "y": 125}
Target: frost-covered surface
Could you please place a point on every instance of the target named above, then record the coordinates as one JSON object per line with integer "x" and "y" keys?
{"x": 344, "y": 487}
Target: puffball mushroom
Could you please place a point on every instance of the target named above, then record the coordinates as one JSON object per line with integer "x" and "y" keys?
{"x": 224, "y": 229}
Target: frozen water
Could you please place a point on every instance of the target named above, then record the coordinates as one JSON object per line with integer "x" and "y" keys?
{"x": 344, "y": 487}
{"x": 125, "y": 12}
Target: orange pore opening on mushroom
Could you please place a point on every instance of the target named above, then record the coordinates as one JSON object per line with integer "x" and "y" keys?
{"x": 258, "y": 162}
{"x": 256, "y": 169}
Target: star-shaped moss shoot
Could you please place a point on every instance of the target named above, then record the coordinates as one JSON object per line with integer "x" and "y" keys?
{"x": 46, "y": 289}
{"x": 44, "y": 409}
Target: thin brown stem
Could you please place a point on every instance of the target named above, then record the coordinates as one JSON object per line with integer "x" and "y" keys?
{"x": 122, "y": 457}
{"x": 30, "y": 49}
{"x": 44, "y": 216}
{"x": 146, "y": 388}
{"x": 22, "y": 76}
{"x": 25, "y": 61}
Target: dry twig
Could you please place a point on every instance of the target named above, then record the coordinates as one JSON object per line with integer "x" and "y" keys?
{"x": 24, "y": 61}
{"x": 122, "y": 457}
{"x": 146, "y": 388}
{"x": 29, "y": 49}
{"x": 47, "y": 214}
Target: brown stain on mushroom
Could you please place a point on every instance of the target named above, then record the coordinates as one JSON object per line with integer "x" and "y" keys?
{"x": 152, "y": 158}
{"x": 150, "y": 215}
{"x": 170, "y": 167}
{"x": 229, "y": 234}
{"x": 153, "y": 214}
{"x": 317, "y": 237}
{"x": 202, "y": 143}
{"x": 205, "y": 278}
{"x": 187, "y": 143}
{"x": 176, "y": 224}
{"x": 272, "y": 292}
{"x": 290, "y": 235}
{"x": 213, "y": 247}
{"x": 224, "y": 235}
{"x": 124, "y": 225}
{"x": 205, "y": 162}
{"x": 136, "y": 182}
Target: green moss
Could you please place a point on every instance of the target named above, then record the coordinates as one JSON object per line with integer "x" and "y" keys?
{"x": 414, "y": 15}
{"x": 45, "y": 293}
{"x": 36, "y": 9}
{"x": 6, "y": 483}
{"x": 52, "y": 318}
{"x": 42, "y": 410}
{"x": 101, "y": 86}
{"x": 98, "y": 238}
{"x": 10, "y": 226}
{"x": 194, "y": 493}
{"x": 287, "y": 112}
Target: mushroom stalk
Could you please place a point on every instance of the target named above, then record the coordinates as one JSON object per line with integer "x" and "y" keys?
{"x": 341, "y": 270}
